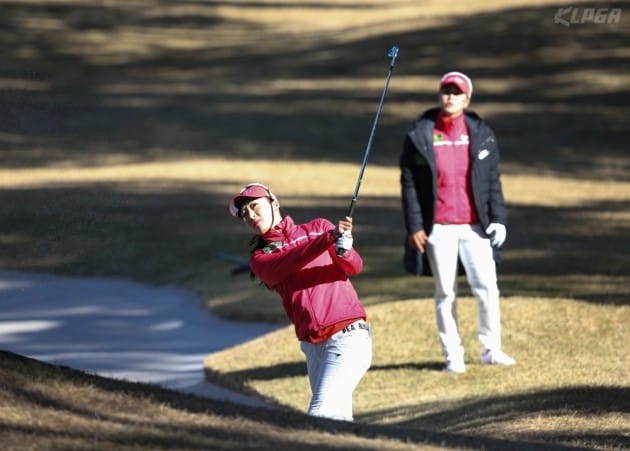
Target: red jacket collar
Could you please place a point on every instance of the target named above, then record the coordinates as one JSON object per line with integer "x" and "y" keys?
{"x": 278, "y": 232}
{"x": 449, "y": 125}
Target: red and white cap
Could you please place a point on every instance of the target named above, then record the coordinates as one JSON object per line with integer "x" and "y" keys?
{"x": 250, "y": 191}
{"x": 462, "y": 81}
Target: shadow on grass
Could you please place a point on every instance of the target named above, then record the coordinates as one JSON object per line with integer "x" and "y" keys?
{"x": 175, "y": 236}
{"x": 417, "y": 366}
{"x": 74, "y": 99}
{"x": 480, "y": 414}
{"x": 68, "y": 99}
{"x": 471, "y": 418}
{"x": 138, "y": 396}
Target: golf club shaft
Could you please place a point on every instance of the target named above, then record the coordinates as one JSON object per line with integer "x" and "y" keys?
{"x": 393, "y": 53}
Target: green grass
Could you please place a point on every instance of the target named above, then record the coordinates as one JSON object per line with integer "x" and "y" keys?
{"x": 126, "y": 127}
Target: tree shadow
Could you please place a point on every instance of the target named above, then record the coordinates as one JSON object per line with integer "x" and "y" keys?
{"x": 73, "y": 100}
{"x": 176, "y": 234}
{"x": 469, "y": 416}
{"x": 67, "y": 100}
{"x": 192, "y": 435}
{"x": 557, "y": 97}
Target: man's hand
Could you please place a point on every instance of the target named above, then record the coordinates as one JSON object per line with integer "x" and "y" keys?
{"x": 417, "y": 240}
{"x": 497, "y": 234}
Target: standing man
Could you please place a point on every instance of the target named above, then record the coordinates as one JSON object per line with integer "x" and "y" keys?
{"x": 454, "y": 210}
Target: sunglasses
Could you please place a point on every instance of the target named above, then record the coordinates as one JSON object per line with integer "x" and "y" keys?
{"x": 451, "y": 89}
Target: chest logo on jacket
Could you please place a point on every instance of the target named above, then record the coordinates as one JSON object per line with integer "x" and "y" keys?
{"x": 272, "y": 247}
{"x": 441, "y": 141}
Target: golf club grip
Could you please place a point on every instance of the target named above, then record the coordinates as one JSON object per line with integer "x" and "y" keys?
{"x": 353, "y": 203}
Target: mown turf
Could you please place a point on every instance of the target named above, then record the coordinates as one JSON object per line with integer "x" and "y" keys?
{"x": 126, "y": 126}
{"x": 568, "y": 363}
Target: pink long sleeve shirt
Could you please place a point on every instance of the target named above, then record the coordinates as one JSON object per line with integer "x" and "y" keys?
{"x": 455, "y": 203}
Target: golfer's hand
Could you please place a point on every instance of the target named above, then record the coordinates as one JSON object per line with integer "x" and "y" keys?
{"x": 343, "y": 233}
{"x": 417, "y": 240}
{"x": 497, "y": 234}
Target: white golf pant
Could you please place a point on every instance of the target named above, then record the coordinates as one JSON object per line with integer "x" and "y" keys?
{"x": 335, "y": 367}
{"x": 445, "y": 244}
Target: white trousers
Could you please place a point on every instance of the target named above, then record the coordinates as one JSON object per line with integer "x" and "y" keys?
{"x": 335, "y": 367}
{"x": 445, "y": 244}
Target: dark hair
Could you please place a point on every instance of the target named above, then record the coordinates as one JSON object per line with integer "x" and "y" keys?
{"x": 238, "y": 203}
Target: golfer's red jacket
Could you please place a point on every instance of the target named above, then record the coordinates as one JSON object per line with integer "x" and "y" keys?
{"x": 301, "y": 264}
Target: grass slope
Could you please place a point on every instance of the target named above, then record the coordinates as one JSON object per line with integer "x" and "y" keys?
{"x": 127, "y": 125}
{"x": 51, "y": 407}
{"x": 570, "y": 384}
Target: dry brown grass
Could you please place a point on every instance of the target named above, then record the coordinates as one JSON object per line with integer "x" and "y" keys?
{"x": 49, "y": 407}
{"x": 126, "y": 125}
{"x": 568, "y": 357}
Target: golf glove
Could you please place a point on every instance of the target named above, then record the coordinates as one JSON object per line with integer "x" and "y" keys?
{"x": 497, "y": 234}
{"x": 344, "y": 243}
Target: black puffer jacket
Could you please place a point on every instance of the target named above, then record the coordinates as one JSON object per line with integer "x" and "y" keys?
{"x": 418, "y": 176}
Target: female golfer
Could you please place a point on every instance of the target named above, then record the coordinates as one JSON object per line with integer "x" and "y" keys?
{"x": 308, "y": 266}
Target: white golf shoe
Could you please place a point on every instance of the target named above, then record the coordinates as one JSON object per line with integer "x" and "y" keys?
{"x": 455, "y": 365}
{"x": 496, "y": 357}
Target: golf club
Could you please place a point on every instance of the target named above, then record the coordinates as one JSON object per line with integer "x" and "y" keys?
{"x": 393, "y": 53}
